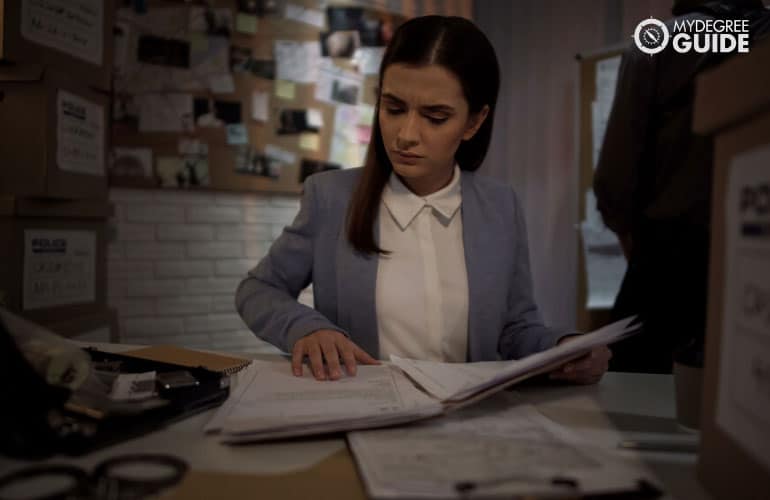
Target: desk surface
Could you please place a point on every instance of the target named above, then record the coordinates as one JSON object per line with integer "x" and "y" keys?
{"x": 621, "y": 406}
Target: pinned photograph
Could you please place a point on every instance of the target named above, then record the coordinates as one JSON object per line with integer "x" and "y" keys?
{"x": 212, "y": 21}
{"x": 134, "y": 163}
{"x": 215, "y": 113}
{"x": 340, "y": 43}
{"x": 345, "y": 93}
{"x": 375, "y": 28}
{"x": 182, "y": 172}
{"x": 259, "y": 7}
{"x": 252, "y": 162}
{"x": 295, "y": 121}
{"x": 240, "y": 58}
{"x": 163, "y": 51}
{"x": 125, "y": 113}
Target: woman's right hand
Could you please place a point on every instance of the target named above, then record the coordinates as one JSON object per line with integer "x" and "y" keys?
{"x": 328, "y": 345}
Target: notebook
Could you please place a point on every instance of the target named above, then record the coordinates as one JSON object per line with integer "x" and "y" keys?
{"x": 191, "y": 358}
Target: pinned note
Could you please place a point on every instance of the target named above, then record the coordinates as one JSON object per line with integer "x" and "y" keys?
{"x": 309, "y": 141}
{"x": 285, "y": 89}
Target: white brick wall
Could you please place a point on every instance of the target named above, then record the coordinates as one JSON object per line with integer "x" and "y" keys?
{"x": 176, "y": 258}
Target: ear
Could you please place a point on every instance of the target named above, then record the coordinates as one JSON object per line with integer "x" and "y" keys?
{"x": 475, "y": 121}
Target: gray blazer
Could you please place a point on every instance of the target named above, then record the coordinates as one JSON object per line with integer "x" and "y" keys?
{"x": 503, "y": 320}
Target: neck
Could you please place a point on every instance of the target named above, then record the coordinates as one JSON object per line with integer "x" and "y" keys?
{"x": 425, "y": 186}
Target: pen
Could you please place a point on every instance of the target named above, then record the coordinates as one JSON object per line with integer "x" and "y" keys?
{"x": 642, "y": 490}
{"x": 683, "y": 445}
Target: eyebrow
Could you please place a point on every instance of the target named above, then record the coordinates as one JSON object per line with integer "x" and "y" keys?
{"x": 432, "y": 107}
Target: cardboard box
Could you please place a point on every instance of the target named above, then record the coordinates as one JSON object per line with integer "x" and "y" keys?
{"x": 54, "y": 256}
{"x": 733, "y": 104}
{"x": 53, "y": 135}
{"x": 70, "y": 35}
{"x": 97, "y": 327}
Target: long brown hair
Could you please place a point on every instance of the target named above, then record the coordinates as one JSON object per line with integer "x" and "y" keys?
{"x": 459, "y": 46}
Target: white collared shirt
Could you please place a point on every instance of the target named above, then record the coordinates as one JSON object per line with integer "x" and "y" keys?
{"x": 422, "y": 286}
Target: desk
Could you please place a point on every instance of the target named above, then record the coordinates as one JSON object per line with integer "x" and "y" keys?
{"x": 622, "y": 405}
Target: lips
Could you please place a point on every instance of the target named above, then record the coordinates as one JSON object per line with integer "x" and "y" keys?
{"x": 408, "y": 158}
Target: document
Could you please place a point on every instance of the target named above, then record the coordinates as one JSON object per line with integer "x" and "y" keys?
{"x": 457, "y": 384}
{"x": 743, "y": 397}
{"x": 276, "y": 404}
{"x": 498, "y": 448}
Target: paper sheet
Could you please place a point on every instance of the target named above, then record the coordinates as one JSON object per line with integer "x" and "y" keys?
{"x": 297, "y": 61}
{"x": 59, "y": 268}
{"x": 260, "y": 110}
{"x": 309, "y": 141}
{"x": 368, "y": 60}
{"x": 80, "y": 135}
{"x": 338, "y": 86}
{"x": 455, "y": 382}
{"x": 276, "y": 400}
{"x": 280, "y": 154}
{"x": 743, "y": 400}
{"x": 285, "y": 89}
{"x": 74, "y": 27}
{"x": 505, "y": 448}
{"x": 165, "y": 112}
{"x": 347, "y": 148}
{"x": 313, "y": 17}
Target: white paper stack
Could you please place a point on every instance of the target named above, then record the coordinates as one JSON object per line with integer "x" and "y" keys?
{"x": 269, "y": 402}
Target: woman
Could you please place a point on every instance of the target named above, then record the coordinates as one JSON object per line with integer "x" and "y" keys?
{"x": 413, "y": 254}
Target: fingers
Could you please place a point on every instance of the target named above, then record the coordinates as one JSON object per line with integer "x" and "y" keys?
{"x": 296, "y": 358}
{"x": 328, "y": 346}
{"x": 329, "y": 349}
{"x": 586, "y": 370}
{"x": 316, "y": 360}
{"x": 364, "y": 357}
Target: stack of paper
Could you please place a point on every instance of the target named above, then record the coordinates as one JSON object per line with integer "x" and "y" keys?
{"x": 499, "y": 448}
{"x": 270, "y": 402}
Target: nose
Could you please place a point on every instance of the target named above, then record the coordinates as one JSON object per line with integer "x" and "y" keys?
{"x": 409, "y": 133}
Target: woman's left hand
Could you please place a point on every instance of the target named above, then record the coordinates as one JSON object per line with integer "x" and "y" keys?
{"x": 584, "y": 370}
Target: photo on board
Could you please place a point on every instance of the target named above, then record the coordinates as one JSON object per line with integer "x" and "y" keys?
{"x": 182, "y": 171}
{"x": 344, "y": 93}
{"x": 340, "y": 43}
{"x": 252, "y": 162}
{"x": 134, "y": 163}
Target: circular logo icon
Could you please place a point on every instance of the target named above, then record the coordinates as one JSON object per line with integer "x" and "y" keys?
{"x": 651, "y": 36}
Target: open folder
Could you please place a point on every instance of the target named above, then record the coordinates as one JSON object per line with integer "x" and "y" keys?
{"x": 269, "y": 402}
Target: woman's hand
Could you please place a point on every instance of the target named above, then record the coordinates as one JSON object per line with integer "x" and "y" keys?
{"x": 584, "y": 370}
{"x": 328, "y": 345}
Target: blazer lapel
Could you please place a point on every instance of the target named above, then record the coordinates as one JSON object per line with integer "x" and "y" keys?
{"x": 356, "y": 282}
{"x": 478, "y": 259}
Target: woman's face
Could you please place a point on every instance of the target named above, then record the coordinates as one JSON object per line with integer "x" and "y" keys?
{"x": 423, "y": 119}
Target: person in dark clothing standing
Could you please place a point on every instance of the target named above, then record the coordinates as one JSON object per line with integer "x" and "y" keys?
{"x": 653, "y": 189}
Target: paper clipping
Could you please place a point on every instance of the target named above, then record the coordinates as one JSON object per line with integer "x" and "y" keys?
{"x": 59, "y": 268}
{"x": 80, "y": 135}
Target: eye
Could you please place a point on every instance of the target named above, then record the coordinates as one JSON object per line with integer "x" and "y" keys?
{"x": 393, "y": 111}
{"x": 436, "y": 120}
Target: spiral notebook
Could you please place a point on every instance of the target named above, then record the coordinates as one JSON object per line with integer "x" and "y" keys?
{"x": 191, "y": 358}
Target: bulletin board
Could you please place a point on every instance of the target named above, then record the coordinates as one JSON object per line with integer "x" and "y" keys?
{"x": 248, "y": 95}
{"x": 588, "y": 318}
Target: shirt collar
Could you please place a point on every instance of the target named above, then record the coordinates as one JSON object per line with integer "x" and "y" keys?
{"x": 404, "y": 205}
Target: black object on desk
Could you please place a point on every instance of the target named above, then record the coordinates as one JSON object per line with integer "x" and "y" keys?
{"x": 108, "y": 480}
{"x": 36, "y": 420}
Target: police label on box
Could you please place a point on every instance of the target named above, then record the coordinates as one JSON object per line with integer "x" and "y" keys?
{"x": 59, "y": 268}
{"x": 743, "y": 397}
{"x": 71, "y": 26}
{"x": 80, "y": 135}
